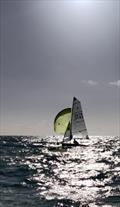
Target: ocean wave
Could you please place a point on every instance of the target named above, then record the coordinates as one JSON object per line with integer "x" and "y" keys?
{"x": 42, "y": 174}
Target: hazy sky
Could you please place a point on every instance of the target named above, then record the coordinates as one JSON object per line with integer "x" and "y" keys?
{"x": 53, "y": 50}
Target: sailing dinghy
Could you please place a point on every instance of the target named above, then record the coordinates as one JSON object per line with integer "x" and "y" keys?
{"x": 71, "y": 122}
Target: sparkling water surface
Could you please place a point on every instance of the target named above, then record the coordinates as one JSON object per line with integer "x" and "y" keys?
{"x": 37, "y": 172}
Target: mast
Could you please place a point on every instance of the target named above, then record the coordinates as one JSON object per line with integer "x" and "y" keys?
{"x": 71, "y": 135}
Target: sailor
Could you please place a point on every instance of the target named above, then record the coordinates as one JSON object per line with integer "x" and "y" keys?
{"x": 76, "y": 143}
{"x": 87, "y": 137}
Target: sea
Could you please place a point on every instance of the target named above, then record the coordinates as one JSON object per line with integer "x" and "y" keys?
{"x": 38, "y": 172}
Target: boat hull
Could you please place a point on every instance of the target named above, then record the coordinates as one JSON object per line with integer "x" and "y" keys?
{"x": 69, "y": 145}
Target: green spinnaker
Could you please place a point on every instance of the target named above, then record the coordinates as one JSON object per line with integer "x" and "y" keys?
{"x": 61, "y": 121}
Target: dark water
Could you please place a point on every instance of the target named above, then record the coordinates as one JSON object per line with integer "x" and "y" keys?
{"x": 33, "y": 175}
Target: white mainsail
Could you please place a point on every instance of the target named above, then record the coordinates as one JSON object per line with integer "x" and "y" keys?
{"x": 77, "y": 120}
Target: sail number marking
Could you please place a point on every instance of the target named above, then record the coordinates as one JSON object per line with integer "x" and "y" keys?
{"x": 78, "y": 116}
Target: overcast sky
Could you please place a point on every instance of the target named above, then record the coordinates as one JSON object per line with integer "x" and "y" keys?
{"x": 52, "y": 51}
